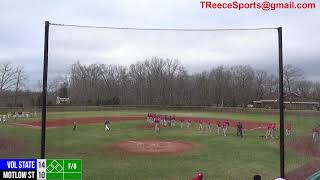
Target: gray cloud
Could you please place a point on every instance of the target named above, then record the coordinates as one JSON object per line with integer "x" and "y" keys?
{"x": 22, "y": 29}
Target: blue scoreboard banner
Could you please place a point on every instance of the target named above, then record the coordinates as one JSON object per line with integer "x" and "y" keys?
{"x": 18, "y": 169}
{"x": 41, "y": 169}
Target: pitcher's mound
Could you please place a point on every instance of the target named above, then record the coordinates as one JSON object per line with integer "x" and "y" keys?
{"x": 152, "y": 147}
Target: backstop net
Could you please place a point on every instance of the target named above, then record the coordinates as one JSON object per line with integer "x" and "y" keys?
{"x": 175, "y": 102}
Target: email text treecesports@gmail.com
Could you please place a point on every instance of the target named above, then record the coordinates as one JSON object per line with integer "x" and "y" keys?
{"x": 265, "y": 6}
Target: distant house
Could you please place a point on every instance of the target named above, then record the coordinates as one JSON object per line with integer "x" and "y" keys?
{"x": 293, "y": 101}
{"x": 60, "y": 100}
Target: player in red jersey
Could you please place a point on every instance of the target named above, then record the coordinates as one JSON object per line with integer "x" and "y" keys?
{"x": 316, "y": 133}
{"x": 181, "y": 123}
{"x": 288, "y": 129}
{"x": 157, "y": 124}
{"x": 162, "y": 120}
{"x": 165, "y": 120}
{"x": 200, "y": 125}
{"x": 199, "y": 176}
{"x": 151, "y": 117}
{"x": 189, "y": 123}
{"x": 218, "y": 127}
{"x": 204, "y": 125}
{"x": 74, "y": 125}
{"x": 173, "y": 120}
{"x": 225, "y": 126}
{"x": 148, "y": 117}
{"x": 210, "y": 126}
{"x": 268, "y": 130}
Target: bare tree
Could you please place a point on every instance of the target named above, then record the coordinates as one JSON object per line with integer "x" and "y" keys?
{"x": 243, "y": 85}
{"x": 261, "y": 79}
{"x": 7, "y": 76}
{"x": 291, "y": 76}
{"x": 20, "y": 78}
{"x": 304, "y": 88}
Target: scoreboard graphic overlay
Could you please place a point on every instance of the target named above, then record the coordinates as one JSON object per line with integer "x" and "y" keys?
{"x": 41, "y": 169}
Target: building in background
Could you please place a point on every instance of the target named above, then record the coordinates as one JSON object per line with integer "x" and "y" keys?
{"x": 291, "y": 101}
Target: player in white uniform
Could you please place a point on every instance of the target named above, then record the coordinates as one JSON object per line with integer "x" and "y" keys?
{"x": 106, "y": 125}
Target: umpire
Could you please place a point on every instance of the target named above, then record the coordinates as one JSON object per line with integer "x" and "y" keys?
{"x": 239, "y": 129}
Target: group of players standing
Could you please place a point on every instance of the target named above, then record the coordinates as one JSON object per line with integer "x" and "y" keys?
{"x": 271, "y": 130}
{"x": 218, "y": 127}
{"x": 203, "y": 125}
{"x": 163, "y": 120}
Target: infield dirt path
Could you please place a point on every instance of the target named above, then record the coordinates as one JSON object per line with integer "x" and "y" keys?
{"x": 306, "y": 147}
{"x": 55, "y": 123}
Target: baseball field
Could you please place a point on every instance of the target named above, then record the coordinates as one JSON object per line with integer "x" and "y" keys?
{"x": 132, "y": 150}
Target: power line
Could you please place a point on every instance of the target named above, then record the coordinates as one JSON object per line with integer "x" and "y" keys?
{"x": 159, "y": 29}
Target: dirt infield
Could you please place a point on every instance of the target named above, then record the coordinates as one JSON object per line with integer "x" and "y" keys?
{"x": 150, "y": 147}
{"x": 307, "y": 147}
{"x": 69, "y": 121}
{"x": 304, "y": 171}
{"x": 95, "y": 120}
{"x": 11, "y": 146}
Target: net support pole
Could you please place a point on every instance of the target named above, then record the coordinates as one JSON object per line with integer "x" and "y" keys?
{"x": 281, "y": 107}
{"x": 44, "y": 90}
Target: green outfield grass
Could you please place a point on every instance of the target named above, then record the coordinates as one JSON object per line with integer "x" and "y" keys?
{"x": 219, "y": 157}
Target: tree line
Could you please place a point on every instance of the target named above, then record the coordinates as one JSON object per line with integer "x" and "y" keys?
{"x": 157, "y": 81}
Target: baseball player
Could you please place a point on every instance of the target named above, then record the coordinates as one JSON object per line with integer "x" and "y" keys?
{"x": 74, "y": 125}
{"x": 200, "y": 125}
{"x": 225, "y": 126}
{"x": 169, "y": 120}
{"x": 154, "y": 117}
{"x": 268, "y": 132}
{"x": 166, "y": 120}
{"x": 210, "y": 126}
{"x": 288, "y": 129}
{"x": 218, "y": 127}
{"x": 173, "y": 120}
{"x": 157, "y": 124}
{"x": 239, "y": 129}
{"x": 162, "y": 120}
{"x": 189, "y": 123}
{"x": 148, "y": 117}
{"x": 205, "y": 125}
{"x": 9, "y": 115}
{"x": 274, "y": 131}
{"x": 106, "y": 125}
{"x": 315, "y": 134}
{"x": 199, "y": 176}
{"x": 181, "y": 123}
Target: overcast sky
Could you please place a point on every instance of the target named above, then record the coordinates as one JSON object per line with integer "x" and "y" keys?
{"x": 22, "y": 34}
